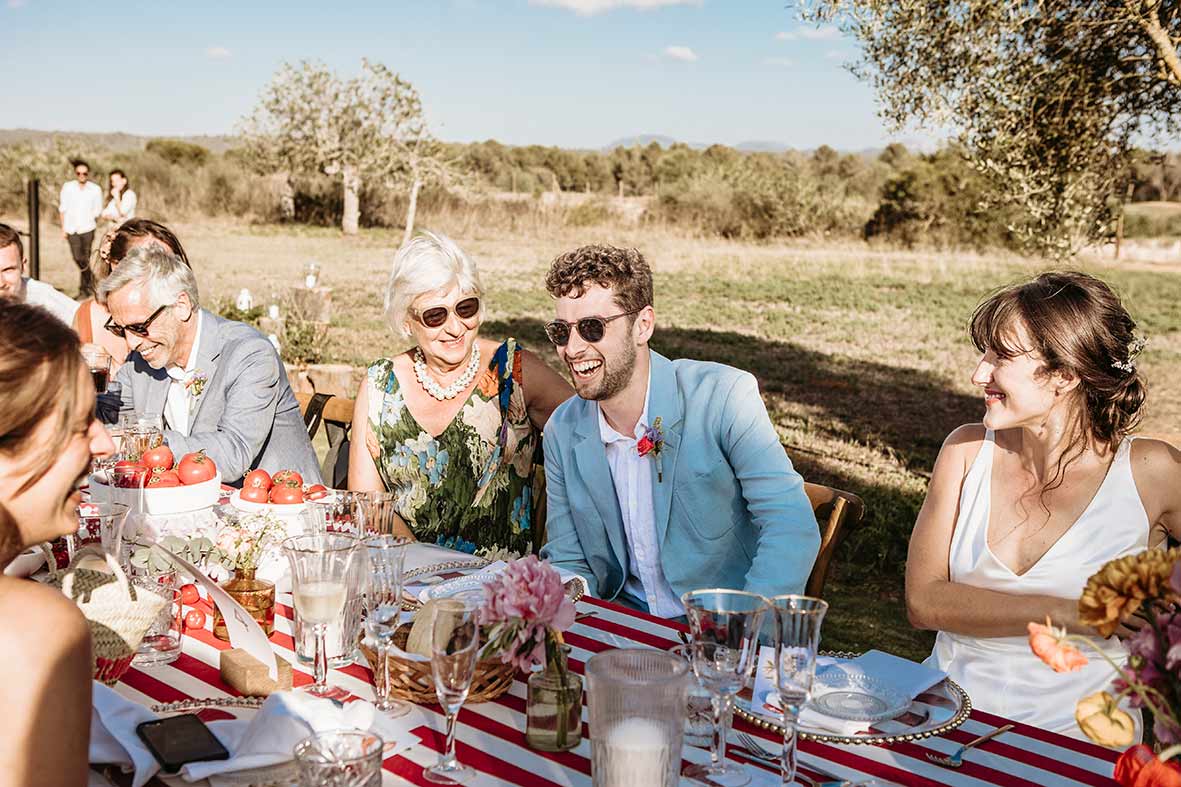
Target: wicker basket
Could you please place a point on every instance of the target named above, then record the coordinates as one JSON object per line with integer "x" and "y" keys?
{"x": 412, "y": 680}
{"x": 117, "y": 617}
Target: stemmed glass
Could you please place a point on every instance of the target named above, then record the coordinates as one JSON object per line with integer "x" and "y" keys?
{"x": 455, "y": 645}
{"x": 320, "y": 565}
{"x": 797, "y": 641}
{"x": 725, "y": 626}
{"x": 386, "y": 557}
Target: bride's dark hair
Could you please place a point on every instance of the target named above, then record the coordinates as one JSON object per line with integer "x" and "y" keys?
{"x": 1078, "y": 327}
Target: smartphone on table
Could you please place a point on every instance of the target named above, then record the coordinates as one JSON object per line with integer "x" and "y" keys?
{"x": 178, "y": 740}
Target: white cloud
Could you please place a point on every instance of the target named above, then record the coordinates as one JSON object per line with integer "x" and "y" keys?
{"x": 682, "y": 53}
{"x": 217, "y": 53}
{"x": 592, "y": 7}
{"x": 834, "y": 54}
{"x": 823, "y": 33}
{"x": 783, "y": 62}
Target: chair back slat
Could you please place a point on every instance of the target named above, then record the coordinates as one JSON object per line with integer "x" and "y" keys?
{"x": 837, "y": 512}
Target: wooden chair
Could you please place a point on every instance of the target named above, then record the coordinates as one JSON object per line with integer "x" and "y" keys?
{"x": 836, "y": 512}
{"x": 336, "y": 413}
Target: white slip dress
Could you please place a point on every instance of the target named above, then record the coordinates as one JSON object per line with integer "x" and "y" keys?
{"x": 1001, "y": 674}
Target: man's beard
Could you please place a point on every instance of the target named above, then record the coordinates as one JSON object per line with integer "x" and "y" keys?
{"x": 616, "y": 375}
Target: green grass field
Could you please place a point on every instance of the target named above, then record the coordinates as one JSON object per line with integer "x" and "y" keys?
{"x": 862, "y": 353}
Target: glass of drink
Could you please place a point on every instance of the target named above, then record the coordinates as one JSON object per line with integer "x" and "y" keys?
{"x": 98, "y": 361}
{"x": 797, "y": 641}
{"x": 725, "y": 626}
{"x": 699, "y": 718}
{"x": 386, "y": 557}
{"x": 320, "y": 564}
{"x": 340, "y": 758}
{"x": 455, "y": 647}
{"x": 380, "y": 512}
{"x": 161, "y": 644}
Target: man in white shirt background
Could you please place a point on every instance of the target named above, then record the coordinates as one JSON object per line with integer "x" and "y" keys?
{"x": 81, "y": 202}
{"x": 21, "y": 288}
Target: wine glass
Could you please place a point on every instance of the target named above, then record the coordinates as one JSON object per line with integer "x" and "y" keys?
{"x": 98, "y": 361}
{"x": 455, "y": 645}
{"x": 386, "y": 557}
{"x": 319, "y": 584}
{"x": 797, "y": 640}
{"x": 725, "y": 645}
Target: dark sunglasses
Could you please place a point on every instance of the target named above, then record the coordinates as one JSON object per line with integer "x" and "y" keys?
{"x": 82, "y": 174}
{"x": 437, "y": 315}
{"x": 138, "y": 328}
{"x": 591, "y": 329}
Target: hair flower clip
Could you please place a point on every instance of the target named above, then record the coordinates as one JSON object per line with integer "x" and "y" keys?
{"x": 1135, "y": 347}
{"x": 652, "y": 443}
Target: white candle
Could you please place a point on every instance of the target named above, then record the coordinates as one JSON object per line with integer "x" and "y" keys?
{"x": 634, "y": 752}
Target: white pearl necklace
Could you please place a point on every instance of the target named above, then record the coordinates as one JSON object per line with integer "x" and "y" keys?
{"x": 450, "y": 392}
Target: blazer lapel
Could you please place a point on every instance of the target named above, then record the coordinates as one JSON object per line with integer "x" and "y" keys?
{"x": 664, "y": 402}
{"x": 208, "y": 350}
{"x": 591, "y": 458}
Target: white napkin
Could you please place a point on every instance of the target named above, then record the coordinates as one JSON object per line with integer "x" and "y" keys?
{"x": 489, "y": 571}
{"x": 286, "y": 718}
{"x": 908, "y": 677}
{"x": 113, "y": 739}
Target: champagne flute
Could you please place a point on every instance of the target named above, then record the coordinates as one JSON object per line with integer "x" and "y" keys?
{"x": 797, "y": 641}
{"x": 386, "y": 558}
{"x": 320, "y": 565}
{"x": 725, "y": 645}
{"x": 455, "y": 645}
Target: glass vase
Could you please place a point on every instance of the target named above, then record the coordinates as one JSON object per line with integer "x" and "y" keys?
{"x": 553, "y": 710}
{"x": 257, "y": 596}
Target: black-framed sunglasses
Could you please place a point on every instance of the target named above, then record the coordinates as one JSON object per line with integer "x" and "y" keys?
{"x": 591, "y": 329}
{"x": 82, "y": 173}
{"x": 138, "y": 328}
{"x": 437, "y": 315}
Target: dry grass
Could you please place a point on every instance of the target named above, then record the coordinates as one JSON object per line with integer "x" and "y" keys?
{"x": 861, "y": 352}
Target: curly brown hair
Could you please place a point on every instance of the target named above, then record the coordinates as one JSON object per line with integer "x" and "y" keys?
{"x": 624, "y": 270}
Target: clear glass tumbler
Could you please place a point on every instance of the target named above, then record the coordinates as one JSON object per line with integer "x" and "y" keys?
{"x": 699, "y": 715}
{"x": 340, "y": 758}
{"x": 637, "y": 717}
{"x": 161, "y": 645}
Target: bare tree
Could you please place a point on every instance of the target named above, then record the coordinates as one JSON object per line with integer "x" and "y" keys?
{"x": 1046, "y": 96}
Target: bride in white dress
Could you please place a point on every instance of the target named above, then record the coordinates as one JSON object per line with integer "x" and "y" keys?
{"x": 1025, "y": 506}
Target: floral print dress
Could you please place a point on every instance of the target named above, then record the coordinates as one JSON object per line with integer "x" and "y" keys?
{"x": 471, "y": 487}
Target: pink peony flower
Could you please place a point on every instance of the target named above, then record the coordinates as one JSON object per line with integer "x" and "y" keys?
{"x": 522, "y": 604}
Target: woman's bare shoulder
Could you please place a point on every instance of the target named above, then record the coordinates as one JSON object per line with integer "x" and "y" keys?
{"x": 1156, "y": 463}
{"x": 35, "y": 612}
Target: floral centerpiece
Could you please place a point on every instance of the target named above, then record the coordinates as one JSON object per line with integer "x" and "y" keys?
{"x": 525, "y": 611}
{"x": 238, "y": 547}
{"x": 1147, "y": 584}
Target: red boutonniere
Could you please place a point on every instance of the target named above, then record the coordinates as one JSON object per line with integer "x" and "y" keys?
{"x": 652, "y": 444}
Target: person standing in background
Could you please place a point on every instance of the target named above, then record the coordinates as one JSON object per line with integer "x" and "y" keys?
{"x": 81, "y": 203}
{"x": 123, "y": 200}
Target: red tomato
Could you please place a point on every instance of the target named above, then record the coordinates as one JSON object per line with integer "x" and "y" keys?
{"x": 195, "y": 619}
{"x": 159, "y": 458}
{"x": 286, "y": 495}
{"x": 189, "y": 595}
{"x": 254, "y": 494}
{"x": 316, "y": 492}
{"x": 287, "y": 478}
{"x": 196, "y": 468}
{"x": 164, "y": 479}
{"x": 257, "y": 478}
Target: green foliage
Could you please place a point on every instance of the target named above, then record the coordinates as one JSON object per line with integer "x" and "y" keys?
{"x": 228, "y": 308}
{"x": 178, "y": 152}
{"x": 302, "y": 340}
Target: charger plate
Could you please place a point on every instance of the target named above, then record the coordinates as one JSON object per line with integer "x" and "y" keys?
{"x": 469, "y": 579}
{"x": 943, "y": 707}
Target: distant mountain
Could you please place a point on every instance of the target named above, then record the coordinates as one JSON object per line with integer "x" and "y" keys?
{"x": 643, "y": 140}
{"x": 763, "y": 146}
{"x": 115, "y": 140}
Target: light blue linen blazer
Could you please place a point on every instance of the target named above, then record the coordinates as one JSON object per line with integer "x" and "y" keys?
{"x": 731, "y": 511}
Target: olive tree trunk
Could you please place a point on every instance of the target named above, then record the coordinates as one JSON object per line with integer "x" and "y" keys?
{"x": 411, "y": 209}
{"x": 352, "y": 201}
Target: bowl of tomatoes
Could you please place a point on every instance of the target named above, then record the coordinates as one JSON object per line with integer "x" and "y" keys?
{"x": 169, "y": 486}
{"x": 283, "y": 493}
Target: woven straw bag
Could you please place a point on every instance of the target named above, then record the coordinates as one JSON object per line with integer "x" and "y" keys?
{"x": 118, "y": 617}
{"x": 411, "y": 678}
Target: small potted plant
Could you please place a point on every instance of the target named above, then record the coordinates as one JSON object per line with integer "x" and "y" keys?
{"x": 525, "y": 611}
{"x": 239, "y": 547}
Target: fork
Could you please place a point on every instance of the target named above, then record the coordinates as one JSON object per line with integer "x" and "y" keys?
{"x": 756, "y": 751}
{"x": 956, "y": 759}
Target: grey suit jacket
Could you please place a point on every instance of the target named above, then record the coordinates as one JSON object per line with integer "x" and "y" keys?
{"x": 245, "y": 418}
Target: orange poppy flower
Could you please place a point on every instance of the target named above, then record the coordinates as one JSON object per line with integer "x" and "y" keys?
{"x": 1049, "y": 644}
{"x": 1139, "y": 767}
{"x": 488, "y": 385}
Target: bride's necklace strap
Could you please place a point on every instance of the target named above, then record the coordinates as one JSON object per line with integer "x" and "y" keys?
{"x": 458, "y": 386}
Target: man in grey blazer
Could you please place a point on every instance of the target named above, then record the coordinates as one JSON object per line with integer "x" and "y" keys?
{"x": 219, "y": 385}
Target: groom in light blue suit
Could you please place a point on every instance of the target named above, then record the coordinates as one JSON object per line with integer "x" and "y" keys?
{"x": 662, "y": 476}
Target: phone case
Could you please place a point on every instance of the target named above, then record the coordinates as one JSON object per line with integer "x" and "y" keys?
{"x": 179, "y": 740}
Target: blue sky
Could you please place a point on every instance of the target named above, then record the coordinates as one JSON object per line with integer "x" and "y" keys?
{"x": 576, "y": 73}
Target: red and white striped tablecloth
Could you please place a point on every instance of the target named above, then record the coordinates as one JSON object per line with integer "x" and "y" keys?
{"x": 490, "y": 736}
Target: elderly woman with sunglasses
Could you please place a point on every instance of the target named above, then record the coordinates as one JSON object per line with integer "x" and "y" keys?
{"x": 452, "y": 425}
